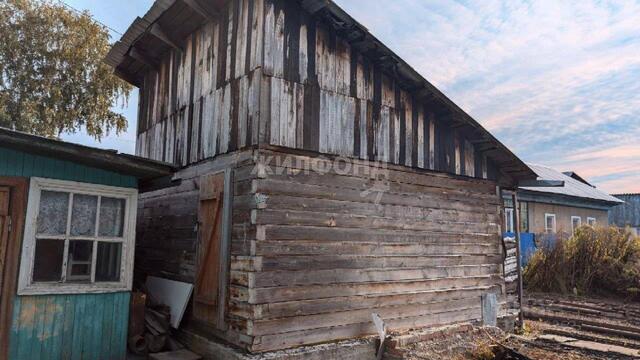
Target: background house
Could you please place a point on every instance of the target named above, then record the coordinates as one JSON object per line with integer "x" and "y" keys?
{"x": 67, "y": 236}
{"x": 627, "y": 214}
{"x": 250, "y": 99}
{"x": 547, "y": 210}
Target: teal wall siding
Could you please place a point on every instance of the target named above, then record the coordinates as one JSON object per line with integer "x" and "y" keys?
{"x": 18, "y": 163}
{"x": 84, "y": 326}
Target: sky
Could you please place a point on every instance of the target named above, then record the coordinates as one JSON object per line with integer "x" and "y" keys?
{"x": 558, "y": 82}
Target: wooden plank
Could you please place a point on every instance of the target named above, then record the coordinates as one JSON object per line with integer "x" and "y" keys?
{"x": 289, "y": 248}
{"x": 277, "y": 326}
{"x": 306, "y": 218}
{"x": 277, "y": 294}
{"x": 336, "y": 276}
{"x": 413, "y": 213}
{"x": 298, "y": 338}
{"x": 348, "y": 303}
{"x": 279, "y": 40}
{"x": 368, "y": 262}
{"x": 270, "y": 187}
{"x": 205, "y": 299}
{"x": 269, "y": 38}
{"x": 255, "y": 42}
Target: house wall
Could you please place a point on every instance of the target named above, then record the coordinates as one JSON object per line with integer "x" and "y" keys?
{"x": 563, "y": 216}
{"x": 167, "y": 233}
{"x": 267, "y": 72}
{"x": 627, "y": 214}
{"x": 83, "y": 326}
{"x": 313, "y": 254}
{"x": 65, "y": 326}
{"x": 22, "y": 164}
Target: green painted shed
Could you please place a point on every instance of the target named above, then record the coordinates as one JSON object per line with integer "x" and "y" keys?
{"x": 67, "y": 237}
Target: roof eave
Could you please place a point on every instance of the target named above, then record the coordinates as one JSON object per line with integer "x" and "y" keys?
{"x": 141, "y": 168}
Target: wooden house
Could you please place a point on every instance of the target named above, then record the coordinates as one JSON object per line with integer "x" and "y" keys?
{"x": 67, "y": 236}
{"x": 552, "y": 209}
{"x": 321, "y": 177}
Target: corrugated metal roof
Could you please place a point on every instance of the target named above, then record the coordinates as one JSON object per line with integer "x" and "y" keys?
{"x": 572, "y": 187}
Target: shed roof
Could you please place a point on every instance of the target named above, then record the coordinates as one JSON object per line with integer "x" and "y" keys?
{"x": 141, "y": 168}
{"x": 572, "y": 186}
{"x": 175, "y": 19}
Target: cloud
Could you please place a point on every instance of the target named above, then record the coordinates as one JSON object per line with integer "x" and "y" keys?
{"x": 556, "y": 81}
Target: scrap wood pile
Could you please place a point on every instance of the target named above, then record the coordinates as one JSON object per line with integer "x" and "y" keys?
{"x": 149, "y": 327}
{"x": 609, "y": 318}
{"x": 466, "y": 341}
{"x": 462, "y": 341}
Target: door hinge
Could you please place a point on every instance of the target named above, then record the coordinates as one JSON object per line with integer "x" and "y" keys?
{"x": 9, "y": 224}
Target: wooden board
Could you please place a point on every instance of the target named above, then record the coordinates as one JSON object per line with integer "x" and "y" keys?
{"x": 5, "y": 224}
{"x": 74, "y": 326}
{"x": 13, "y": 209}
{"x": 206, "y": 300}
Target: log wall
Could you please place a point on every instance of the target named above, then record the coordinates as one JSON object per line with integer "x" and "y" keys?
{"x": 267, "y": 72}
{"x": 313, "y": 254}
{"x": 323, "y": 252}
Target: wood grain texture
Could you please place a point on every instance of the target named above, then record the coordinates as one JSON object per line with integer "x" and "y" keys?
{"x": 320, "y": 256}
{"x": 84, "y": 326}
{"x": 267, "y": 72}
{"x": 311, "y": 255}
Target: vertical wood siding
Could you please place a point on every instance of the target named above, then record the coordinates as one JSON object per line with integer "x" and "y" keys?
{"x": 84, "y": 326}
{"x": 267, "y": 72}
{"x": 17, "y": 163}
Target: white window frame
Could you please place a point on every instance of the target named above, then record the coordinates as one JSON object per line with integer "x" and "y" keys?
{"x": 508, "y": 218}
{"x": 25, "y": 284}
{"x": 554, "y": 227}
{"x": 591, "y": 221}
{"x": 574, "y": 228}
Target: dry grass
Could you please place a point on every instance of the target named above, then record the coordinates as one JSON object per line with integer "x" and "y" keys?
{"x": 600, "y": 260}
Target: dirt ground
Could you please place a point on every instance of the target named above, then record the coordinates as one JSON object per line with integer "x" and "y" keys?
{"x": 556, "y": 327}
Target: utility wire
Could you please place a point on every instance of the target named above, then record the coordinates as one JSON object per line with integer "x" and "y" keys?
{"x": 90, "y": 15}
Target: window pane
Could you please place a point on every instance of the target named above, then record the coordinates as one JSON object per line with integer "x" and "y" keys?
{"x": 79, "y": 260}
{"x": 52, "y": 216}
{"x": 108, "y": 261}
{"x": 111, "y": 216}
{"x": 575, "y": 223}
{"x": 47, "y": 263}
{"x": 83, "y": 215}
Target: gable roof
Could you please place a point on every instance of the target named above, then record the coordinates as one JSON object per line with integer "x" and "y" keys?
{"x": 141, "y": 168}
{"x": 179, "y": 19}
{"x": 572, "y": 187}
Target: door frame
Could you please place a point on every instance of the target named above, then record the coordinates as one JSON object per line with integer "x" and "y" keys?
{"x": 19, "y": 187}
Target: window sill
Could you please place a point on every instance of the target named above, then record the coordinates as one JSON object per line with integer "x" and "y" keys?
{"x": 57, "y": 288}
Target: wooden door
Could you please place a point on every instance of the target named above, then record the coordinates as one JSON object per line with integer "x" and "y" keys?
{"x": 207, "y": 299}
{"x": 5, "y": 227}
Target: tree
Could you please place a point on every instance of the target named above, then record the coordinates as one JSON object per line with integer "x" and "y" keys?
{"x": 52, "y": 78}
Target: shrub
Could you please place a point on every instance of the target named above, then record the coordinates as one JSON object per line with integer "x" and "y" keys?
{"x": 595, "y": 260}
